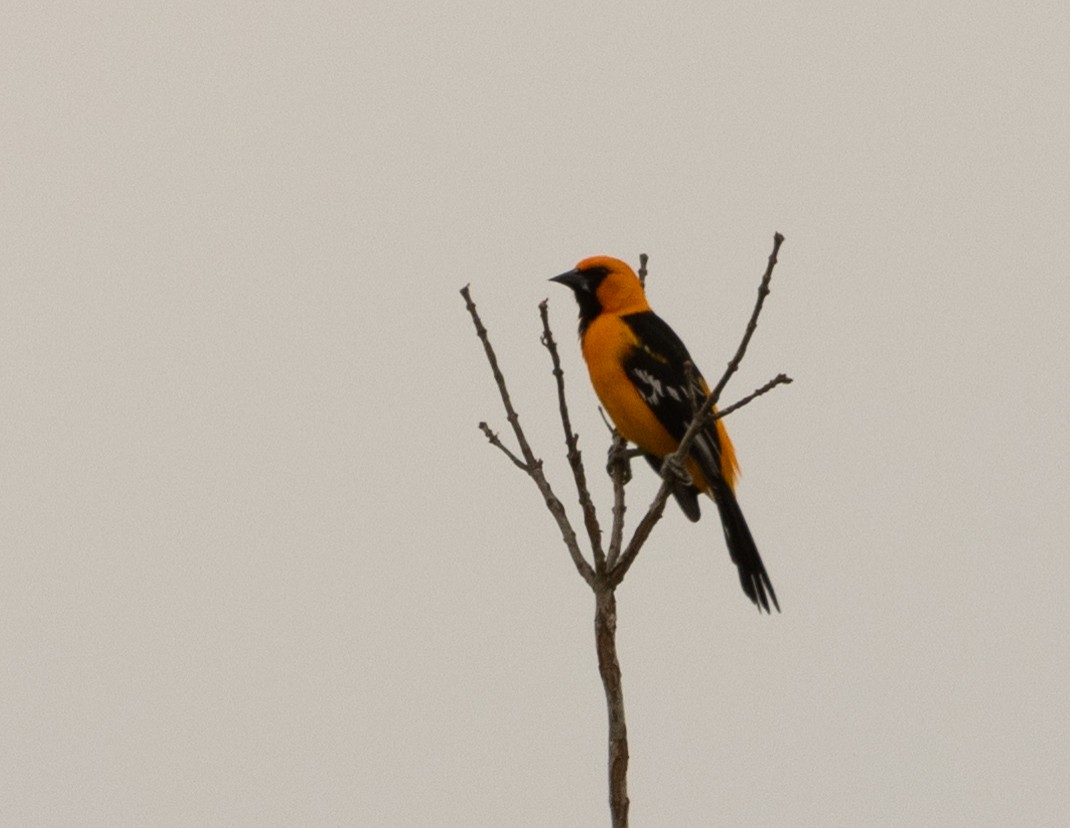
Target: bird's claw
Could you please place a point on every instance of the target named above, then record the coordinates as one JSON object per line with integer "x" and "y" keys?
{"x": 619, "y": 457}
{"x": 674, "y": 470}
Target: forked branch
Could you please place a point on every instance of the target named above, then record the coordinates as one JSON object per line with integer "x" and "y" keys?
{"x": 530, "y": 465}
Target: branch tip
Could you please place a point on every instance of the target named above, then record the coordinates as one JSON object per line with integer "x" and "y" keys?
{"x": 657, "y": 506}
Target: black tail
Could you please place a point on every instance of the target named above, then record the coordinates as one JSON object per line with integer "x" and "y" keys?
{"x": 741, "y": 547}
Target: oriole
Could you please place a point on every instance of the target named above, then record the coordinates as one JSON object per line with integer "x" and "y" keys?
{"x": 637, "y": 367}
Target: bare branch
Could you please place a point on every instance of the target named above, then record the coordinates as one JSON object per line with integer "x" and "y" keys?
{"x": 605, "y": 633}
{"x": 620, "y": 473}
{"x": 575, "y": 458}
{"x": 752, "y": 326}
{"x": 493, "y": 439}
{"x": 567, "y": 533}
{"x": 642, "y": 532}
{"x": 510, "y": 412}
{"x": 657, "y": 506}
{"x": 605, "y": 421}
{"x": 779, "y": 379}
{"x": 643, "y": 259}
{"x": 531, "y": 464}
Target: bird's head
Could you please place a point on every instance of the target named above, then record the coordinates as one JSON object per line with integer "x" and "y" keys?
{"x": 604, "y": 284}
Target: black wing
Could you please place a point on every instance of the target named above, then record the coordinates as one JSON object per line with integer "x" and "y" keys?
{"x": 656, "y": 368}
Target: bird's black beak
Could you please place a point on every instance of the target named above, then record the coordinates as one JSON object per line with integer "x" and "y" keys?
{"x": 573, "y": 279}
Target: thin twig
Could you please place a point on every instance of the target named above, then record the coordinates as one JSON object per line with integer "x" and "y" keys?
{"x": 532, "y": 465}
{"x": 642, "y": 532}
{"x": 779, "y": 379}
{"x": 510, "y": 412}
{"x": 657, "y": 506}
{"x": 575, "y": 458}
{"x": 752, "y": 326}
{"x": 495, "y": 441}
{"x": 620, "y": 474}
{"x": 643, "y": 259}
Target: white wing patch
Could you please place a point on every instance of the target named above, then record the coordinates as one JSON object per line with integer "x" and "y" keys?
{"x": 652, "y": 389}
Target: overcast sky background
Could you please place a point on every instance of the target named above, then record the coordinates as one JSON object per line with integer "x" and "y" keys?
{"x": 259, "y": 567}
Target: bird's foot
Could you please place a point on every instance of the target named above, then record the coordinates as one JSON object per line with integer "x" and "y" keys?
{"x": 619, "y": 457}
{"x": 674, "y": 470}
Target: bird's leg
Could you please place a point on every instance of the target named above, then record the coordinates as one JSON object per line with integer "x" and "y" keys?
{"x": 620, "y": 456}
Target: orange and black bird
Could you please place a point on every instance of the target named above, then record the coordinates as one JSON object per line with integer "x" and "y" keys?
{"x": 638, "y": 369}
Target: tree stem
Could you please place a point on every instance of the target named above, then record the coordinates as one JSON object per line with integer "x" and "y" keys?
{"x": 605, "y": 631}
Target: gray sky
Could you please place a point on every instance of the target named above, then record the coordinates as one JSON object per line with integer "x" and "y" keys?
{"x": 259, "y": 566}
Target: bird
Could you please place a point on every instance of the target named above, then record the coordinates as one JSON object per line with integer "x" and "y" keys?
{"x": 649, "y": 386}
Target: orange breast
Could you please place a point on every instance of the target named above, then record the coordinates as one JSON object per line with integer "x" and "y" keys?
{"x": 605, "y": 345}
